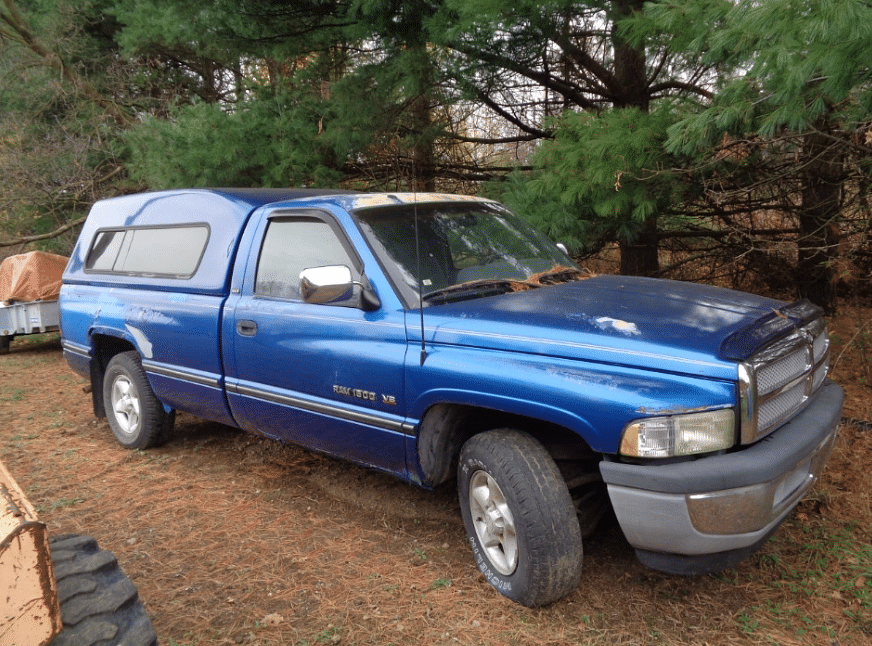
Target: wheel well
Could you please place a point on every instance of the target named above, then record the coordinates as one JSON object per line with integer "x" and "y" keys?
{"x": 446, "y": 427}
{"x": 104, "y": 348}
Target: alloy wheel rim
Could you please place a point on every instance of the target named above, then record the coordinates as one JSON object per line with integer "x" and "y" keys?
{"x": 493, "y": 522}
{"x": 125, "y": 405}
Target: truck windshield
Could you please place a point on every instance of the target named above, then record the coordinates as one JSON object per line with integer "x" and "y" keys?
{"x": 466, "y": 250}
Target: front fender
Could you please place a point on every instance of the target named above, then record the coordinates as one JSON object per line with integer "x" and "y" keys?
{"x": 593, "y": 400}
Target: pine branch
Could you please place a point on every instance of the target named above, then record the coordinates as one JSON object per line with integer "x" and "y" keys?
{"x": 14, "y": 26}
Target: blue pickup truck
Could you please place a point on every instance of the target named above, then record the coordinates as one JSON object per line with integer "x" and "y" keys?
{"x": 436, "y": 337}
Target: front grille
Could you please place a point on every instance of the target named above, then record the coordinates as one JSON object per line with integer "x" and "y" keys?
{"x": 777, "y": 381}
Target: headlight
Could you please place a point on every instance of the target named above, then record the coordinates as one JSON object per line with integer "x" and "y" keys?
{"x": 664, "y": 437}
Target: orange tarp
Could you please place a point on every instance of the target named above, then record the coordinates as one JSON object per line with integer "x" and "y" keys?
{"x": 33, "y": 276}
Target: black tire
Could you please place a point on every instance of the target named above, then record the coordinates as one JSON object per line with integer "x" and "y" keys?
{"x": 5, "y": 340}
{"x": 519, "y": 517}
{"x": 99, "y": 603}
{"x": 137, "y": 418}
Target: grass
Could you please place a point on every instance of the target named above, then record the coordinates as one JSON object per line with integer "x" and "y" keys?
{"x": 331, "y": 635}
{"x": 62, "y": 503}
{"x": 808, "y": 568}
{"x": 11, "y": 395}
{"x": 173, "y": 642}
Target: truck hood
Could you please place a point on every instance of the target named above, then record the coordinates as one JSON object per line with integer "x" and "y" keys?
{"x": 640, "y": 322}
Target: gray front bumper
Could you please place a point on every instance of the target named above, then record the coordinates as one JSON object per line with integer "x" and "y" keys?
{"x": 715, "y": 506}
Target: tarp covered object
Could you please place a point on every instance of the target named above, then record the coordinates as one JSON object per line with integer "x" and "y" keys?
{"x": 32, "y": 276}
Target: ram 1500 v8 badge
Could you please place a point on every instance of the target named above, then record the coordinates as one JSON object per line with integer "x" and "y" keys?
{"x": 437, "y": 337}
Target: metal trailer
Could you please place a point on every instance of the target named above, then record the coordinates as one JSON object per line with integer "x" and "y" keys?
{"x": 26, "y": 318}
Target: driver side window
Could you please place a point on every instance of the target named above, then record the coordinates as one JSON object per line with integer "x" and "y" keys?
{"x": 289, "y": 247}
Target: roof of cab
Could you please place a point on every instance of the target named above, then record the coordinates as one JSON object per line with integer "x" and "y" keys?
{"x": 256, "y": 197}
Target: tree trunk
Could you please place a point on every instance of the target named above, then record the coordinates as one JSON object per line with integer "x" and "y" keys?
{"x": 423, "y": 156}
{"x": 630, "y": 63}
{"x": 638, "y": 257}
{"x": 421, "y": 113}
{"x": 818, "y": 220}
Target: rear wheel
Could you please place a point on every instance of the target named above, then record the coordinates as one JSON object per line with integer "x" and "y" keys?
{"x": 137, "y": 418}
{"x": 99, "y": 603}
{"x": 519, "y": 517}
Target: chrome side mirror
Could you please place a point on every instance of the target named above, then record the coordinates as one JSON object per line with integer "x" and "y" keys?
{"x": 323, "y": 285}
{"x": 334, "y": 284}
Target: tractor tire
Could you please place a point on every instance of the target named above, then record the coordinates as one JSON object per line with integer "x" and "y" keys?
{"x": 99, "y": 603}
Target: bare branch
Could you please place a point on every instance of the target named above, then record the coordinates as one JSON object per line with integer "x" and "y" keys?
{"x": 43, "y": 236}
{"x": 504, "y": 140}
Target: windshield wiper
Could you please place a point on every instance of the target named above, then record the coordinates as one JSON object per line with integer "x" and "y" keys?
{"x": 494, "y": 286}
{"x": 475, "y": 289}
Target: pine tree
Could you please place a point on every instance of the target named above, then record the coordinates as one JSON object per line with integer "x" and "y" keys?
{"x": 572, "y": 75}
{"x": 806, "y": 93}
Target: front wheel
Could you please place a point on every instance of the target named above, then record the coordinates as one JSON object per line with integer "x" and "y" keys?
{"x": 519, "y": 517}
{"x": 137, "y": 418}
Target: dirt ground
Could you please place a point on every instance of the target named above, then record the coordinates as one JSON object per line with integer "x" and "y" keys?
{"x": 233, "y": 539}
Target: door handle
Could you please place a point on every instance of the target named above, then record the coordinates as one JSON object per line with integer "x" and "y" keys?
{"x": 246, "y": 328}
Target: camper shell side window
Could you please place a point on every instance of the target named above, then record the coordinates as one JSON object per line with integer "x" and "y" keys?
{"x": 171, "y": 251}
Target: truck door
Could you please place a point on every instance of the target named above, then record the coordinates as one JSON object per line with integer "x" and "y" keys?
{"x": 327, "y": 377}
